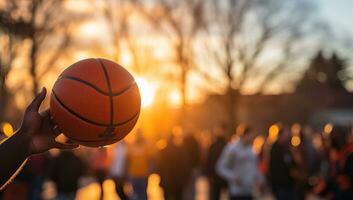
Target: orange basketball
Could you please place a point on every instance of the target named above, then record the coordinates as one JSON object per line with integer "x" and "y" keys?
{"x": 95, "y": 102}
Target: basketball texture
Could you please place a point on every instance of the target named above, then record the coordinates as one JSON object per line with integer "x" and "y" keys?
{"x": 95, "y": 102}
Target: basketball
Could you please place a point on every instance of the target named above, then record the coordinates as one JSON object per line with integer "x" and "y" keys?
{"x": 95, "y": 102}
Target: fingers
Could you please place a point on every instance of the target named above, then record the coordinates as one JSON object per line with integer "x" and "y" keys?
{"x": 37, "y": 101}
{"x": 67, "y": 146}
{"x": 49, "y": 122}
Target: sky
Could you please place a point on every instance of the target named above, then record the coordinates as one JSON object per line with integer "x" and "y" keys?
{"x": 336, "y": 13}
{"x": 339, "y": 14}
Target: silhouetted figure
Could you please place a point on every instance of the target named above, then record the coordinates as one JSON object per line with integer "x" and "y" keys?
{"x": 339, "y": 185}
{"x": 38, "y": 168}
{"x": 308, "y": 166}
{"x": 139, "y": 166}
{"x": 118, "y": 169}
{"x": 193, "y": 157}
{"x": 19, "y": 187}
{"x": 66, "y": 170}
{"x": 99, "y": 165}
{"x": 238, "y": 164}
{"x": 171, "y": 168}
{"x": 281, "y": 166}
{"x": 216, "y": 182}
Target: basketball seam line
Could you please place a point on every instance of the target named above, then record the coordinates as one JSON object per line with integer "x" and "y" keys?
{"x": 88, "y": 120}
{"x": 97, "y": 88}
{"x": 110, "y": 91}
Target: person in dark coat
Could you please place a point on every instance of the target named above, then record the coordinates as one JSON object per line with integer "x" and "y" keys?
{"x": 171, "y": 168}
{"x": 216, "y": 182}
{"x": 38, "y": 168}
{"x": 192, "y": 154}
{"x": 281, "y": 167}
{"x": 339, "y": 183}
{"x": 66, "y": 170}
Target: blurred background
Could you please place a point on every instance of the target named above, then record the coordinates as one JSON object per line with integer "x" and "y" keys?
{"x": 205, "y": 69}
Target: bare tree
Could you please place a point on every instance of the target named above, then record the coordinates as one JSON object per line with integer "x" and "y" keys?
{"x": 117, "y": 14}
{"x": 50, "y": 24}
{"x": 13, "y": 30}
{"x": 180, "y": 21}
{"x": 254, "y": 41}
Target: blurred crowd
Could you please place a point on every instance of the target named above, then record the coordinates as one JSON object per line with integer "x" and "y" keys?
{"x": 289, "y": 163}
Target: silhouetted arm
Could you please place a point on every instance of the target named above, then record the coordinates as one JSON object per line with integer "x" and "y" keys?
{"x": 36, "y": 135}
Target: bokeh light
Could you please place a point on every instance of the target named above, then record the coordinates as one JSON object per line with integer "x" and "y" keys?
{"x": 328, "y": 129}
{"x": 273, "y": 133}
{"x": 7, "y": 129}
{"x": 161, "y": 144}
{"x": 258, "y": 143}
{"x": 295, "y": 141}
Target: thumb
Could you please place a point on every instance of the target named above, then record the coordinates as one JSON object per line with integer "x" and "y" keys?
{"x": 37, "y": 101}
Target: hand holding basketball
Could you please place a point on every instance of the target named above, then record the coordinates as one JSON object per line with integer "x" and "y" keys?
{"x": 37, "y": 128}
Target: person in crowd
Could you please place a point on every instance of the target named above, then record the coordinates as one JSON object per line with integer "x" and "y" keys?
{"x": 282, "y": 167}
{"x": 139, "y": 166}
{"x": 19, "y": 188}
{"x": 215, "y": 181}
{"x": 339, "y": 183}
{"x": 99, "y": 166}
{"x": 193, "y": 155}
{"x": 66, "y": 170}
{"x": 38, "y": 166}
{"x": 238, "y": 164}
{"x": 118, "y": 168}
{"x": 308, "y": 165}
{"x": 171, "y": 168}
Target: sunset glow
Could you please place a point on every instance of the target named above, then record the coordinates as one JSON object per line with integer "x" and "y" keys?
{"x": 92, "y": 30}
{"x": 175, "y": 98}
{"x": 147, "y": 91}
{"x": 172, "y": 99}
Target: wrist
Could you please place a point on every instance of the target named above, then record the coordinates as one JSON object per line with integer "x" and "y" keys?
{"x": 25, "y": 143}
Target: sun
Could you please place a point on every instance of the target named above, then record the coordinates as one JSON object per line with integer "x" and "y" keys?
{"x": 147, "y": 91}
{"x": 175, "y": 98}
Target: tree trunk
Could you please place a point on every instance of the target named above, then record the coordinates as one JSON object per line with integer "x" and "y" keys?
{"x": 232, "y": 101}
{"x": 183, "y": 83}
{"x": 34, "y": 48}
{"x": 32, "y": 69}
{"x": 232, "y": 97}
{"x": 3, "y": 98}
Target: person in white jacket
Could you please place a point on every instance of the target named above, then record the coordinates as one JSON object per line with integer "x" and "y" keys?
{"x": 238, "y": 165}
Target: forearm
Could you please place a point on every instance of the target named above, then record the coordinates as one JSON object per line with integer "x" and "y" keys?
{"x": 13, "y": 152}
{"x": 226, "y": 173}
{"x": 223, "y": 164}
